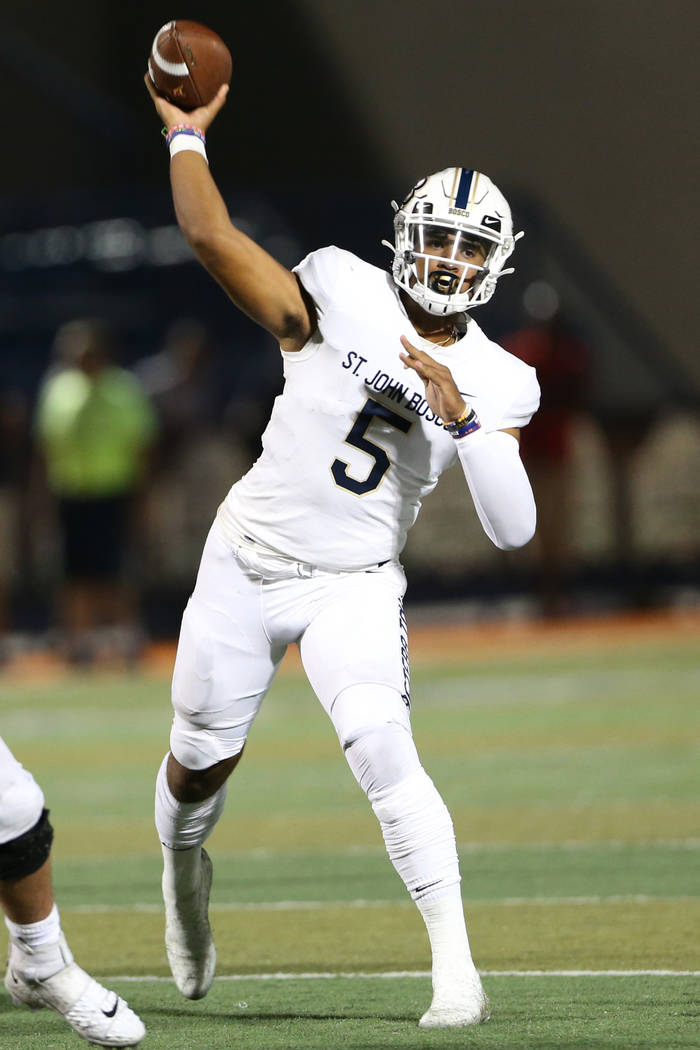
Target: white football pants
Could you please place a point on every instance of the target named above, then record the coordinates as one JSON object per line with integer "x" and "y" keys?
{"x": 352, "y": 637}
{"x": 350, "y": 628}
{"x": 21, "y": 798}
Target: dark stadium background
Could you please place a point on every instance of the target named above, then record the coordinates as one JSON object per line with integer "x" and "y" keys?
{"x": 583, "y": 113}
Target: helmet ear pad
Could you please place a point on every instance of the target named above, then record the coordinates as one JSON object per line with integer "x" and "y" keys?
{"x": 461, "y": 201}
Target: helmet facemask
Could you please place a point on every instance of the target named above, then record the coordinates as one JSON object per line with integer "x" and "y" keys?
{"x": 463, "y": 209}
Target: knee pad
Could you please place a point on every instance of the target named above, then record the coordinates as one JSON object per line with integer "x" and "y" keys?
{"x": 197, "y": 748}
{"x": 381, "y": 758}
{"x": 25, "y": 854}
{"x": 360, "y": 708}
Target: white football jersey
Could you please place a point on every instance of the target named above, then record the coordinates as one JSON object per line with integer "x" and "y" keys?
{"x": 352, "y": 446}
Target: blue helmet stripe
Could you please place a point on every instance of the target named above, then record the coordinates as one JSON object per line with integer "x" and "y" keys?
{"x": 465, "y": 184}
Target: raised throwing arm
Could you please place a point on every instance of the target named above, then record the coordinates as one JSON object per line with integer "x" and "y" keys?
{"x": 260, "y": 286}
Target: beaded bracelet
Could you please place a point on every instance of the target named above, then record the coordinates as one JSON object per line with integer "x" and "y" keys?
{"x": 466, "y": 424}
{"x": 183, "y": 129}
{"x": 185, "y": 137}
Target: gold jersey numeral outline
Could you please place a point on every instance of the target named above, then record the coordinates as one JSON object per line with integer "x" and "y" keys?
{"x": 356, "y": 437}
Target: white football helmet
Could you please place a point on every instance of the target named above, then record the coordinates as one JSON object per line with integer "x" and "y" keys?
{"x": 468, "y": 206}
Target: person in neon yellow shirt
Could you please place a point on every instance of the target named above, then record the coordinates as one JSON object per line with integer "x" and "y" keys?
{"x": 94, "y": 427}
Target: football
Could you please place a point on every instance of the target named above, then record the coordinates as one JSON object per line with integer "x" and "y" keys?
{"x": 188, "y": 63}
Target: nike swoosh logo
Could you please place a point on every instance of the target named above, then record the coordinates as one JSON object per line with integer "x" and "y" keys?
{"x": 465, "y": 394}
{"x": 112, "y": 1012}
{"x": 429, "y": 886}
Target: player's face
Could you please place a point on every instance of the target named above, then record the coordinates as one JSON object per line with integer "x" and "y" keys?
{"x": 453, "y": 254}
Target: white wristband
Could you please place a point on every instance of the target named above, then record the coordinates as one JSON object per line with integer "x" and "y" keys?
{"x": 182, "y": 141}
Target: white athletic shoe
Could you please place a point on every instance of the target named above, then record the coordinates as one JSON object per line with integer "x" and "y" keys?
{"x": 464, "y": 1006}
{"x": 188, "y": 939}
{"x": 96, "y": 1014}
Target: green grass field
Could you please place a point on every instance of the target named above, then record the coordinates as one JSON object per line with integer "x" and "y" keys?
{"x": 571, "y": 772}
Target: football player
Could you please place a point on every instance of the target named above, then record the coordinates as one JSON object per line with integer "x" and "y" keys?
{"x": 388, "y": 382}
{"x": 41, "y": 971}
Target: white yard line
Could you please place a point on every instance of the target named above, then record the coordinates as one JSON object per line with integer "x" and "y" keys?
{"x": 423, "y": 974}
{"x": 315, "y": 905}
{"x": 580, "y": 844}
{"x": 268, "y": 853}
{"x": 265, "y": 852}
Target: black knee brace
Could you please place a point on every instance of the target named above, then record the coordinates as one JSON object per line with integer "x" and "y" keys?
{"x": 25, "y": 854}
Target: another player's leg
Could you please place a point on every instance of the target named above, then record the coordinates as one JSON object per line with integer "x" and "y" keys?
{"x": 221, "y": 652}
{"x": 371, "y": 718}
{"x": 41, "y": 971}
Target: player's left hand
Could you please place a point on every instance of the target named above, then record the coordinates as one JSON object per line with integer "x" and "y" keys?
{"x": 441, "y": 391}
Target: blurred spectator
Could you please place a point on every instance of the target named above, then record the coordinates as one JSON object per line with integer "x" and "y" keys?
{"x": 14, "y": 465}
{"x": 193, "y": 461}
{"x": 94, "y": 427}
{"x": 248, "y": 411}
{"x": 182, "y": 383}
{"x": 563, "y": 367}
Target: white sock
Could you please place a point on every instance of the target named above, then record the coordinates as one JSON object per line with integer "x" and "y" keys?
{"x": 453, "y": 966}
{"x": 181, "y": 871}
{"x": 44, "y": 950}
{"x": 420, "y": 841}
{"x": 34, "y": 934}
{"x": 182, "y": 825}
{"x": 415, "y": 823}
{"x": 419, "y": 836}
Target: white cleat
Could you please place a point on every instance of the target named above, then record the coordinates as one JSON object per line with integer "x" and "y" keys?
{"x": 467, "y": 1005}
{"x": 188, "y": 939}
{"x": 96, "y": 1014}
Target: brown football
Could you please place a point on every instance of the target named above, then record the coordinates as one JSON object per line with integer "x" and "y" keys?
{"x": 188, "y": 63}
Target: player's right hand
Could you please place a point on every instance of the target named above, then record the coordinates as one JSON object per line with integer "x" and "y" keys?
{"x": 441, "y": 391}
{"x": 171, "y": 115}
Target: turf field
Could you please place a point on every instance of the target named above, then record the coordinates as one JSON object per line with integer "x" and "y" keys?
{"x": 569, "y": 760}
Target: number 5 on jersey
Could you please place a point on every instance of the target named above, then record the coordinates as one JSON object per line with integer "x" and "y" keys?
{"x": 356, "y": 438}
